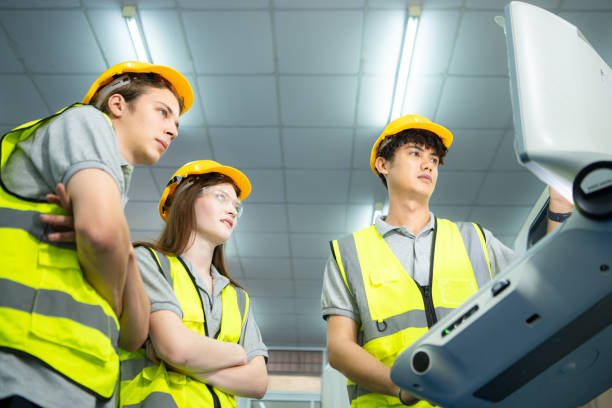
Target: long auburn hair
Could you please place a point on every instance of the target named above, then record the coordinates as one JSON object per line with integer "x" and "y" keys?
{"x": 178, "y": 234}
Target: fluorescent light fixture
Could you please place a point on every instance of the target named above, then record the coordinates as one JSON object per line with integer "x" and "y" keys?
{"x": 129, "y": 13}
{"x": 405, "y": 61}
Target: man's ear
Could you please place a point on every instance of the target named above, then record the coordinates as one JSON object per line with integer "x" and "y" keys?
{"x": 117, "y": 105}
{"x": 382, "y": 165}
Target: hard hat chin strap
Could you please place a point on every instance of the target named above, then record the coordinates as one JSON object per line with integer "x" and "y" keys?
{"x": 108, "y": 89}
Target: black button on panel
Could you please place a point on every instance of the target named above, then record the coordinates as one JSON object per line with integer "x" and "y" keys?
{"x": 500, "y": 286}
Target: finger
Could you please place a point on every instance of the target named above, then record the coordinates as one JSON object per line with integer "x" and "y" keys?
{"x": 63, "y": 196}
{"x": 53, "y": 199}
{"x": 65, "y": 236}
{"x": 58, "y": 220}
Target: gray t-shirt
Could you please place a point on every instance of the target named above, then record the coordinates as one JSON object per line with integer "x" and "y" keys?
{"x": 80, "y": 138}
{"x": 162, "y": 297}
{"x": 414, "y": 254}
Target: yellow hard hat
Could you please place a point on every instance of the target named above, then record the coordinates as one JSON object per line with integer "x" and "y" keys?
{"x": 176, "y": 79}
{"x": 412, "y": 121}
{"x": 202, "y": 167}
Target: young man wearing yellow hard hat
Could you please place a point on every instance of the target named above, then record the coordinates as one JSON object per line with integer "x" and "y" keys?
{"x": 386, "y": 284}
{"x": 63, "y": 303}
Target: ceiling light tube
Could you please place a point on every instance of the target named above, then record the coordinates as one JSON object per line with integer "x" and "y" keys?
{"x": 403, "y": 71}
{"x": 129, "y": 13}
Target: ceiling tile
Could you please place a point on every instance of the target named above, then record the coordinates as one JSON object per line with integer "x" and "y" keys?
{"x": 112, "y": 34}
{"x": 318, "y": 4}
{"x": 191, "y": 145}
{"x": 267, "y": 186}
{"x": 280, "y": 337}
{"x": 333, "y": 48}
{"x": 9, "y": 62}
{"x": 505, "y": 158}
{"x": 142, "y": 185}
{"x": 230, "y": 249}
{"x": 239, "y": 100}
{"x": 258, "y": 244}
{"x": 272, "y": 306}
{"x": 366, "y": 187}
{"x": 309, "y": 268}
{"x": 317, "y": 186}
{"x": 475, "y": 103}
{"x": 60, "y": 91}
{"x": 317, "y": 218}
{"x": 36, "y": 35}
{"x": 430, "y": 4}
{"x": 375, "y": 95}
{"x": 587, "y": 5}
{"x": 472, "y": 149}
{"x": 223, "y": 4}
{"x": 481, "y": 46}
{"x": 309, "y": 306}
{"x": 500, "y": 220}
{"x": 40, "y": 3}
{"x": 19, "y": 100}
{"x": 269, "y": 287}
{"x": 311, "y": 245}
{"x": 193, "y": 117}
{"x": 597, "y": 28}
{"x": 358, "y": 217}
{"x": 230, "y": 42}
{"x": 309, "y": 289}
{"x": 500, "y": 4}
{"x": 263, "y": 217}
{"x": 318, "y": 101}
{"x": 436, "y": 31}
{"x": 457, "y": 188}
{"x": 165, "y": 40}
{"x": 161, "y": 175}
{"x": 144, "y": 235}
{"x": 143, "y": 215}
{"x": 453, "y": 213}
{"x": 423, "y": 95}
{"x": 313, "y": 338}
{"x": 364, "y": 140}
{"x": 382, "y": 41}
{"x": 244, "y": 147}
{"x": 510, "y": 188}
{"x": 234, "y": 267}
{"x": 317, "y": 148}
{"x": 267, "y": 268}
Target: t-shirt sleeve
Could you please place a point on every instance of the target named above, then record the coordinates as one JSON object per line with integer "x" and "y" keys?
{"x": 83, "y": 138}
{"x": 499, "y": 254}
{"x": 335, "y": 296}
{"x": 251, "y": 339}
{"x": 158, "y": 289}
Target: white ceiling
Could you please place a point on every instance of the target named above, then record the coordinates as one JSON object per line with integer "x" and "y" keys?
{"x": 294, "y": 93}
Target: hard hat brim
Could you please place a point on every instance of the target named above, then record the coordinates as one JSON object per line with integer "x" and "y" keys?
{"x": 176, "y": 79}
{"x": 204, "y": 167}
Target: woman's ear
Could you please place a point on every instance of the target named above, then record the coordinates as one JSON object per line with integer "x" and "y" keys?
{"x": 117, "y": 105}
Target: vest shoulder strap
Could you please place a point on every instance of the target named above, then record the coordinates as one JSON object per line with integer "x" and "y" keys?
{"x": 162, "y": 261}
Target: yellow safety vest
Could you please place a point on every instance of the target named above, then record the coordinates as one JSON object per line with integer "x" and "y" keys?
{"x": 394, "y": 310}
{"x": 47, "y": 308}
{"x": 146, "y": 384}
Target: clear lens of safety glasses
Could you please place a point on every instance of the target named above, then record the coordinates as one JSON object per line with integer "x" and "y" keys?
{"x": 223, "y": 198}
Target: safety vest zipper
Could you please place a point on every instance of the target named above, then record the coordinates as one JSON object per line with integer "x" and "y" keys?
{"x": 430, "y": 311}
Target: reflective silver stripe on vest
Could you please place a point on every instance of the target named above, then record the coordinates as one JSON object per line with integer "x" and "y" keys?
{"x": 55, "y": 303}
{"x": 242, "y": 297}
{"x": 30, "y": 222}
{"x": 355, "y": 391}
{"x": 474, "y": 249}
{"x": 132, "y": 367}
{"x": 155, "y": 400}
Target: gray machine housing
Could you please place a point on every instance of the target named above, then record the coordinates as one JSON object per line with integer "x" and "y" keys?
{"x": 540, "y": 333}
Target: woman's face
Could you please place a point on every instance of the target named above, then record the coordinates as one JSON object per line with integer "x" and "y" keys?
{"x": 216, "y": 209}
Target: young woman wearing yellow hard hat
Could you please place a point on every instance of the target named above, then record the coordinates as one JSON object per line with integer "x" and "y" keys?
{"x": 204, "y": 345}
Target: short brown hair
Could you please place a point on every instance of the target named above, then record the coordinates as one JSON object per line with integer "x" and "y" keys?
{"x": 177, "y": 234}
{"x": 138, "y": 85}
{"x": 420, "y": 137}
